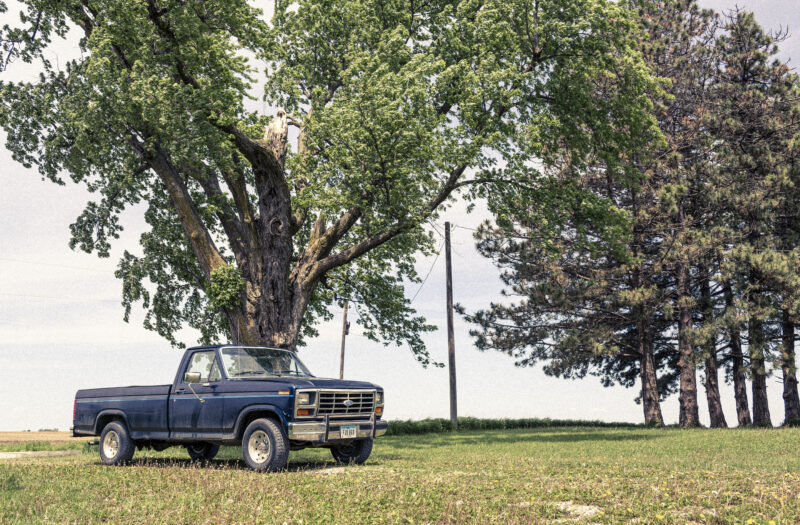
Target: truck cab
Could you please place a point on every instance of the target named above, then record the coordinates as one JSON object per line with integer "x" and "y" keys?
{"x": 261, "y": 398}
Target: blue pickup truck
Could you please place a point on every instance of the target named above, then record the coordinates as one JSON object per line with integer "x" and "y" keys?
{"x": 262, "y": 398}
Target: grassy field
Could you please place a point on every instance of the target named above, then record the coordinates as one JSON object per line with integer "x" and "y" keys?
{"x": 38, "y": 441}
{"x": 562, "y": 475}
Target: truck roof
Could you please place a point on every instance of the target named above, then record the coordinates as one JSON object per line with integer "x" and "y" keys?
{"x": 214, "y": 347}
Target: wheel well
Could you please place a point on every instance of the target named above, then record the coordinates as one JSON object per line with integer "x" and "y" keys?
{"x": 257, "y": 414}
{"x": 105, "y": 419}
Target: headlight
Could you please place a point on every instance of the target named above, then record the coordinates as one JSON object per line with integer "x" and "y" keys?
{"x": 304, "y": 398}
{"x": 379, "y": 398}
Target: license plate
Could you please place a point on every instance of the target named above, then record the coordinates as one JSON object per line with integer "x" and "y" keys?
{"x": 348, "y": 432}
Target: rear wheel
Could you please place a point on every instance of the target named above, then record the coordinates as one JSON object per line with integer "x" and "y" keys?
{"x": 116, "y": 445}
{"x": 264, "y": 446}
{"x": 355, "y": 452}
{"x": 202, "y": 451}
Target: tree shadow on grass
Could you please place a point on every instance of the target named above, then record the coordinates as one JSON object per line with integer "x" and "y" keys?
{"x": 238, "y": 464}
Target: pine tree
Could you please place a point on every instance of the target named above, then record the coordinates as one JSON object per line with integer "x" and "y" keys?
{"x": 756, "y": 122}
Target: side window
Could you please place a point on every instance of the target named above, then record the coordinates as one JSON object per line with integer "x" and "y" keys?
{"x": 206, "y": 364}
{"x": 215, "y": 374}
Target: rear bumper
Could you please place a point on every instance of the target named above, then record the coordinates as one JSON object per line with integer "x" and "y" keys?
{"x": 324, "y": 431}
{"x": 81, "y": 432}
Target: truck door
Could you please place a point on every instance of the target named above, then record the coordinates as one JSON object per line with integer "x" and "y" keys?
{"x": 190, "y": 417}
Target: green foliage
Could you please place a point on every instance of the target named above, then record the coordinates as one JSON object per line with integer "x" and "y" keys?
{"x": 225, "y": 287}
{"x": 617, "y": 268}
{"x": 402, "y": 107}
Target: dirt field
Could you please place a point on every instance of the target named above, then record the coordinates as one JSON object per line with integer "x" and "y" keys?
{"x": 51, "y": 437}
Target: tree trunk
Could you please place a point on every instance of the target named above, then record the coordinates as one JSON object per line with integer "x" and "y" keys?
{"x": 715, "y": 413}
{"x": 755, "y": 347}
{"x": 647, "y": 371}
{"x": 791, "y": 401}
{"x": 689, "y": 415}
{"x": 647, "y": 367}
{"x": 737, "y": 365}
{"x": 650, "y": 402}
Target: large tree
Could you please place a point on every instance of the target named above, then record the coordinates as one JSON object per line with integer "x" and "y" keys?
{"x": 598, "y": 310}
{"x": 757, "y": 122}
{"x": 708, "y": 275}
{"x": 397, "y": 105}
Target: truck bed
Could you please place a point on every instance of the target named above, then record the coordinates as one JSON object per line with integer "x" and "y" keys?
{"x": 124, "y": 391}
{"x": 144, "y": 407}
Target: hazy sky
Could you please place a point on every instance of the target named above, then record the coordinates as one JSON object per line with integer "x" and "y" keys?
{"x": 61, "y": 324}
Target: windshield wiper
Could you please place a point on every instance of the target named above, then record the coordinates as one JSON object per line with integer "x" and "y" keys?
{"x": 251, "y": 373}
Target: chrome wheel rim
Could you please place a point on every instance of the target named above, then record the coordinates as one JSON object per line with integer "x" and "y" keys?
{"x": 111, "y": 444}
{"x": 259, "y": 446}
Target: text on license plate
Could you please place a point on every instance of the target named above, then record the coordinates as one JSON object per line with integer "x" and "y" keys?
{"x": 348, "y": 432}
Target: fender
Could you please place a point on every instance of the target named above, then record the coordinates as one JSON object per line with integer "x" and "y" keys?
{"x": 108, "y": 412}
{"x": 261, "y": 407}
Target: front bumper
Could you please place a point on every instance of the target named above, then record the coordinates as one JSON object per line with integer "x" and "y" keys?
{"x": 323, "y": 431}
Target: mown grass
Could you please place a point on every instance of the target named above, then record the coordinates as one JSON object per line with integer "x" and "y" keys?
{"x": 36, "y": 446}
{"x": 575, "y": 475}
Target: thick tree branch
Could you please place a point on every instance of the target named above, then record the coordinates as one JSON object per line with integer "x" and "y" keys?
{"x": 237, "y": 185}
{"x": 209, "y": 181}
{"x": 408, "y": 223}
{"x": 202, "y": 244}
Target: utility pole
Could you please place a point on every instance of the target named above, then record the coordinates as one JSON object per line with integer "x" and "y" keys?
{"x": 451, "y": 342}
{"x": 345, "y": 329}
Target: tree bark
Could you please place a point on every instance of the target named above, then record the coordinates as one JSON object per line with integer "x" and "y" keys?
{"x": 761, "y": 414}
{"x": 689, "y": 415}
{"x": 756, "y": 347}
{"x": 791, "y": 400}
{"x": 715, "y": 414}
{"x": 650, "y": 398}
{"x": 737, "y": 365}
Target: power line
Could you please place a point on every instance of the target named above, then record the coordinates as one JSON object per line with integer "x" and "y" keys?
{"x": 436, "y": 229}
{"x": 438, "y": 252}
{"x": 464, "y": 227}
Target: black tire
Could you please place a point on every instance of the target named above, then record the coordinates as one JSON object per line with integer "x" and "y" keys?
{"x": 116, "y": 445}
{"x": 264, "y": 446}
{"x": 202, "y": 451}
{"x": 355, "y": 452}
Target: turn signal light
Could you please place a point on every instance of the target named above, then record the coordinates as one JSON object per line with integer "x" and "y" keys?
{"x": 304, "y": 412}
{"x": 379, "y": 410}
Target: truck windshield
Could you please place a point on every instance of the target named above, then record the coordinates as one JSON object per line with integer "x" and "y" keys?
{"x": 253, "y": 363}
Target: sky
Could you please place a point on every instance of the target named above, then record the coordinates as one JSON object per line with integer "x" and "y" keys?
{"x": 61, "y": 326}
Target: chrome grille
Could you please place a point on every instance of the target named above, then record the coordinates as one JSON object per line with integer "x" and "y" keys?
{"x": 333, "y": 403}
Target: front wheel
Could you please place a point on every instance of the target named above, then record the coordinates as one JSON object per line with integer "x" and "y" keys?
{"x": 355, "y": 452}
{"x": 202, "y": 451}
{"x": 116, "y": 445}
{"x": 264, "y": 446}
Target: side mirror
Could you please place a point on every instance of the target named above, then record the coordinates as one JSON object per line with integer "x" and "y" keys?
{"x": 191, "y": 377}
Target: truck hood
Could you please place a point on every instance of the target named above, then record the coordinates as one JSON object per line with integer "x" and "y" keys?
{"x": 324, "y": 382}
{"x": 315, "y": 382}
